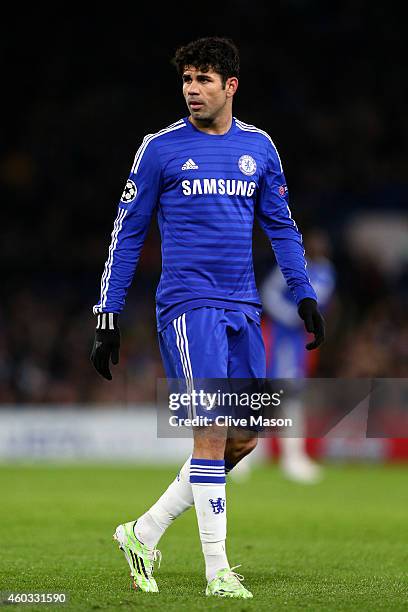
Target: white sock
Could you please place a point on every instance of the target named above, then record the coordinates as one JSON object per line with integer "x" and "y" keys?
{"x": 293, "y": 449}
{"x": 177, "y": 498}
{"x": 207, "y": 477}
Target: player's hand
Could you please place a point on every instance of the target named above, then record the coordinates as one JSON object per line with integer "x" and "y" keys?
{"x": 106, "y": 344}
{"x": 313, "y": 320}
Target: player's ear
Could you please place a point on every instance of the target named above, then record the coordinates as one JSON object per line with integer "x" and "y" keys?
{"x": 231, "y": 86}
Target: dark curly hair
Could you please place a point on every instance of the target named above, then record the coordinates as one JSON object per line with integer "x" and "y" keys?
{"x": 218, "y": 54}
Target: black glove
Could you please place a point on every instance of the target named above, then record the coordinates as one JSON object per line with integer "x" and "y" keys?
{"x": 314, "y": 322}
{"x": 106, "y": 344}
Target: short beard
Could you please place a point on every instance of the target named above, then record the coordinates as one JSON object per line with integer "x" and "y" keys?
{"x": 207, "y": 120}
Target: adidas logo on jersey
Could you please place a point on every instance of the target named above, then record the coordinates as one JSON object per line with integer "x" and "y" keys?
{"x": 189, "y": 165}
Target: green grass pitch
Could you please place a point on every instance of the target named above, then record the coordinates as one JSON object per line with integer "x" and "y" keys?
{"x": 340, "y": 545}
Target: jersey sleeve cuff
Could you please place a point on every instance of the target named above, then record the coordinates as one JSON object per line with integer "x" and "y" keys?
{"x": 304, "y": 292}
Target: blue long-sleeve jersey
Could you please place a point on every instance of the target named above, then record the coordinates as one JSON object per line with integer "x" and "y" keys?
{"x": 206, "y": 189}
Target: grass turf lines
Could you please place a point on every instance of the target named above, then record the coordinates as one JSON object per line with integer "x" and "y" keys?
{"x": 340, "y": 545}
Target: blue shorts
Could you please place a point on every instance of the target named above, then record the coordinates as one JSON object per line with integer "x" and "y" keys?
{"x": 212, "y": 343}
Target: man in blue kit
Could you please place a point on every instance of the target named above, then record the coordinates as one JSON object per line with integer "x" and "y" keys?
{"x": 284, "y": 338}
{"x": 207, "y": 175}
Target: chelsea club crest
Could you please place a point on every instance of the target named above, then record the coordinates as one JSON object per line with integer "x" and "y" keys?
{"x": 247, "y": 165}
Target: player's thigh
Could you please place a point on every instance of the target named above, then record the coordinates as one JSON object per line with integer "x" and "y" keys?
{"x": 195, "y": 345}
{"x": 246, "y": 355}
{"x": 247, "y": 369}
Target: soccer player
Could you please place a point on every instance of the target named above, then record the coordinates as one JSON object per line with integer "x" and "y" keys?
{"x": 207, "y": 175}
{"x": 284, "y": 341}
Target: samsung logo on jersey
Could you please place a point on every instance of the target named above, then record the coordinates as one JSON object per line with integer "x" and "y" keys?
{"x": 218, "y": 186}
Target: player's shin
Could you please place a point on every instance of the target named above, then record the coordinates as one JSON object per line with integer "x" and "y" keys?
{"x": 207, "y": 477}
{"x": 177, "y": 498}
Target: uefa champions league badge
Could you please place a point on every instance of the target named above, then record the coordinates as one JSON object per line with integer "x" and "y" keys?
{"x": 247, "y": 165}
{"x": 129, "y": 192}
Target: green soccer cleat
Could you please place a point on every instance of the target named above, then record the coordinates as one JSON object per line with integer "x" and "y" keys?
{"x": 228, "y": 583}
{"x": 140, "y": 558}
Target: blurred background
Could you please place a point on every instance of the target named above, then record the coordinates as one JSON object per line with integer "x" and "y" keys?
{"x": 78, "y": 454}
{"x": 325, "y": 81}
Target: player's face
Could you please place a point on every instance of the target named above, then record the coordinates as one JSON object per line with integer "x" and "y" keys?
{"x": 204, "y": 93}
